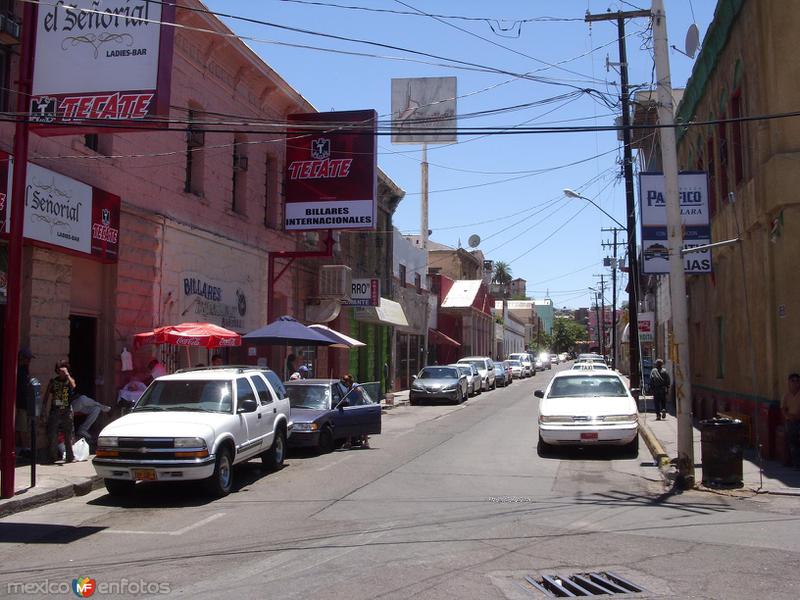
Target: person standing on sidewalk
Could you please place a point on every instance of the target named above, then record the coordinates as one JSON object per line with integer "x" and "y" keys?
{"x": 659, "y": 383}
{"x": 58, "y": 409}
{"x": 790, "y": 407}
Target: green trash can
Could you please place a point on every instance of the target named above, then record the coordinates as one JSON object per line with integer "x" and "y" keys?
{"x": 722, "y": 448}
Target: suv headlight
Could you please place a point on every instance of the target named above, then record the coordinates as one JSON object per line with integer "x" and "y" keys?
{"x": 189, "y": 442}
{"x": 108, "y": 442}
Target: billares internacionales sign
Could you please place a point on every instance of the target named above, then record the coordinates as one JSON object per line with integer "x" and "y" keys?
{"x": 100, "y": 63}
{"x": 331, "y": 171}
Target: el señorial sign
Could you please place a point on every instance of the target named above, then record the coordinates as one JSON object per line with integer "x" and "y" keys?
{"x": 63, "y": 212}
{"x": 101, "y": 62}
{"x": 331, "y": 171}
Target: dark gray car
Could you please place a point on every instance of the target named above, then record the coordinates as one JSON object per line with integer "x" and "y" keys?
{"x": 439, "y": 383}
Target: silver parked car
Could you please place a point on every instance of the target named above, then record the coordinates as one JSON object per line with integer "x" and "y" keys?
{"x": 473, "y": 377}
{"x": 438, "y": 383}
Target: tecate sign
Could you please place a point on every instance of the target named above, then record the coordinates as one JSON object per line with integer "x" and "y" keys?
{"x": 108, "y": 60}
{"x": 365, "y": 292}
{"x": 331, "y": 171}
{"x": 63, "y": 212}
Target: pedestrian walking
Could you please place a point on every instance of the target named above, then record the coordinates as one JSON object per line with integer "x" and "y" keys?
{"x": 57, "y": 409}
{"x": 659, "y": 384}
{"x": 790, "y": 407}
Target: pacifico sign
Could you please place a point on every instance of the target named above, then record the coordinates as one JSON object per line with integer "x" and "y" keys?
{"x": 103, "y": 62}
{"x": 331, "y": 171}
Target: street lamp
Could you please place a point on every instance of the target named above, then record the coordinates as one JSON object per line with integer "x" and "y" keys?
{"x": 633, "y": 276}
{"x": 573, "y": 194}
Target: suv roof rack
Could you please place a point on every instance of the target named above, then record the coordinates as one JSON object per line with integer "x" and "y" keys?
{"x": 239, "y": 368}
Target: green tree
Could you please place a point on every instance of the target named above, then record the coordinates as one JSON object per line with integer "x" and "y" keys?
{"x": 502, "y": 273}
{"x": 565, "y": 333}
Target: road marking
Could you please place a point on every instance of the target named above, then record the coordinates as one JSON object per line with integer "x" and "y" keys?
{"x": 186, "y": 529}
{"x": 336, "y": 462}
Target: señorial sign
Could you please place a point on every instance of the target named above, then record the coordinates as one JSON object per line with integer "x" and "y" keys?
{"x": 693, "y": 193}
{"x": 331, "y": 171}
{"x": 108, "y": 61}
{"x": 63, "y": 212}
{"x": 365, "y": 292}
{"x": 424, "y": 110}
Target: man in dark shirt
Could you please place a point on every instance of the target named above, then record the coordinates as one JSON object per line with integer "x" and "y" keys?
{"x": 57, "y": 408}
{"x": 659, "y": 383}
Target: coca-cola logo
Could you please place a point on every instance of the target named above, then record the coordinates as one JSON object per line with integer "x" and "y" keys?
{"x": 182, "y": 341}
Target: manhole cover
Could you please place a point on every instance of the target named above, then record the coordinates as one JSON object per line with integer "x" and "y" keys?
{"x": 602, "y": 583}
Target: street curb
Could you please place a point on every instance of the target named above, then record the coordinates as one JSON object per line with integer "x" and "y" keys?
{"x": 660, "y": 455}
{"x": 64, "y": 492}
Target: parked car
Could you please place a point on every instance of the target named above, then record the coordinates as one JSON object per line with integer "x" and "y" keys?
{"x": 525, "y": 360}
{"x": 325, "y": 414}
{"x": 538, "y": 364}
{"x": 485, "y": 366}
{"x": 500, "y": 375}
{"x": 545, "y": 358}
{"x": 438, "y": 383}
{"x": 516, "y": 369}
{"x": 473, "y": 377}
{"x": 196, "y": 425}
{"x": 563, "y": 357}
{"x": 554, "y": 359}
{"x": 509, "y": 374}
{"x": 587, "y": 408}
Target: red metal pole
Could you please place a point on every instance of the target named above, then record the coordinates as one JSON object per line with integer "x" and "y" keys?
{"x": 14, "y": 290}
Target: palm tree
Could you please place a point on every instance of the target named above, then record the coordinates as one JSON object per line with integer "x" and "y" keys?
{"x": 502, "y": 273}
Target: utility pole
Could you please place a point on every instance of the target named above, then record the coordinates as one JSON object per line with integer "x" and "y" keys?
{"x": 630, "y": 205}
{"x": 597, "y": 318}
{"x": 613, "y": 245}
{"x": 602, "y": 324}
{"x": 677, "y": 276}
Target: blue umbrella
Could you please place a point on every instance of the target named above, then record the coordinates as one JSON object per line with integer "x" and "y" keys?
{"x": 287, "y": 330}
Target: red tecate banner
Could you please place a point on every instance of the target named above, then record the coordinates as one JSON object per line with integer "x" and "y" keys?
{"x": 331, "y": 171}
{"x": 99, "y": 64}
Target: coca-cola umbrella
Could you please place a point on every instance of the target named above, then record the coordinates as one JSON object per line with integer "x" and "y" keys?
{"x": 201, "y": 335}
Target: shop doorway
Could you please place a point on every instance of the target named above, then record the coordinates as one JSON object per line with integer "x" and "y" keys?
{"x": 82, "y": 352}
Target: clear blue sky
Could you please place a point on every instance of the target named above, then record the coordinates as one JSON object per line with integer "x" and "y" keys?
{"x": 521, "y": 216}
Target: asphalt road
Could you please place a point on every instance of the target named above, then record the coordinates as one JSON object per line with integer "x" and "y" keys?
{"x": 450, "y": 502}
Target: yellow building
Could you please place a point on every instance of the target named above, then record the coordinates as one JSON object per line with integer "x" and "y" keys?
{"x": 744, "y": 320}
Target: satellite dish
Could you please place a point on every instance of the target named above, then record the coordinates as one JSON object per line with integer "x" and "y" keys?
{"x": 474, "y": 241}
{"x": 692, "y": 40}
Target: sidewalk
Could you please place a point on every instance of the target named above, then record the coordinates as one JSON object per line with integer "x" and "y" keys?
{"x": 53, "y": 483}
{"x": 394, "y": 399}
{"x": 662, "y": 439}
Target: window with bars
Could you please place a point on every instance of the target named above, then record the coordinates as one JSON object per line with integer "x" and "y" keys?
{"x": 737, "y": 144}
{"x": 712, "y": 176}
{"x": 722, "y": 146}
{"x": 239, "y": 184}
{"x": 195, "y": 156}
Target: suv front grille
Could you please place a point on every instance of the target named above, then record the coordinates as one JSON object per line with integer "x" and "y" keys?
{"x": 131, "y": 442}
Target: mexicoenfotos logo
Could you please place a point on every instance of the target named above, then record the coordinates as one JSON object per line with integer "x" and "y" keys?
{"x": 84, "y": 587}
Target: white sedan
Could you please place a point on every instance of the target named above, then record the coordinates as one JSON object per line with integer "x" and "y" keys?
{"x": 588, "y": 408}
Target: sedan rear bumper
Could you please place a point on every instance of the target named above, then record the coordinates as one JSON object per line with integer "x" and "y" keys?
{"x": 589, "y": 434}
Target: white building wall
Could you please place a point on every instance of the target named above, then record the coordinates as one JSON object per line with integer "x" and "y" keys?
{"x": 413, "y": 257}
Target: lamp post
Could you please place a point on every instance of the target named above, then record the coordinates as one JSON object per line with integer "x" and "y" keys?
{"x": 633, "y": 277}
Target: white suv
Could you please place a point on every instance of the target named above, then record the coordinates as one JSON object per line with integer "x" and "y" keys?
{"x": 195, "y": 425}
{"x": 485, "y": 367}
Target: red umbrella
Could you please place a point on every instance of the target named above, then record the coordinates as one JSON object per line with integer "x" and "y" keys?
{"x": 206, "y": 335}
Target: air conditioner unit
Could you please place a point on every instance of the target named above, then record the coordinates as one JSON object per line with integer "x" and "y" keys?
{"x": 335, "y": 281}
{"x": 239, "y": 163}
{"x": 195, "y": 138}
{"x": 9, "y": 30}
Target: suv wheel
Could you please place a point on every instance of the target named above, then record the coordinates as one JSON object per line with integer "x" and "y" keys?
{"x": 273, "y": 458}
{"x": 119, "y": 487}
{"x": 221, "y": 482}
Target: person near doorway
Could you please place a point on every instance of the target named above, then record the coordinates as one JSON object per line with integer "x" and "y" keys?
{"x": 790, "y": 407}
{"x": 216, "y": 361}
{"x": 22, "y": 419}
{"x": 155, "y": 369}
{"x": 291, "y": 366}
{"x": 91, "y": 409}
{"x": 57, "y": 409}
{"x": 659, "y": 383}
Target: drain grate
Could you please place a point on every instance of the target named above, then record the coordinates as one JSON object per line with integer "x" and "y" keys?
{"x": 601, "y": 583}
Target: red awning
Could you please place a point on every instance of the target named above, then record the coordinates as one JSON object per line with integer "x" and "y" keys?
{"x": 437, "y": 337}
{"x": 206, "y": 335}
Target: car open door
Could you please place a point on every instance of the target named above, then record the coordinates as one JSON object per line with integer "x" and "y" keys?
{"x": 367, "y": 411}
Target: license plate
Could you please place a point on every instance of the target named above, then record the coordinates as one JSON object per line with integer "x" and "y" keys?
{"x": 144, "y": 474}
{"x": 589, "y": 435}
